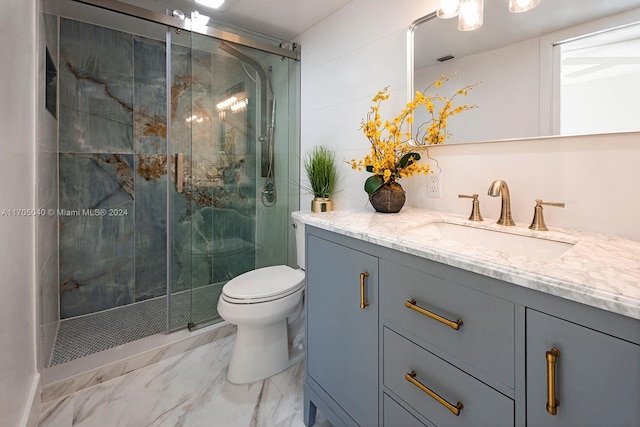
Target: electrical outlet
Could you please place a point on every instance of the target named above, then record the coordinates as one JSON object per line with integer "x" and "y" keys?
{"x": 433, "y": 185}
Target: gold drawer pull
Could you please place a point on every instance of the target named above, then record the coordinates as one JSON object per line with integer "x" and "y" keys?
{"x": 411, "y": 377}
{"x": 552, "y": 403}
{"x": 454, "y": 325}
{"x": 363, "y": 304}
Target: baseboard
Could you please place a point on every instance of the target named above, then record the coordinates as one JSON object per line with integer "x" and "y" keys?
{"x": 32, "y": 410}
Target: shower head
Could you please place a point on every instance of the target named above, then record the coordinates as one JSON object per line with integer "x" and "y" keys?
{"x": 267, "y": 125}
{"x": 254, "y": 63}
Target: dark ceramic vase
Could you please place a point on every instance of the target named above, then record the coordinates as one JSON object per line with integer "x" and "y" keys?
{"x": 389, "y": 198}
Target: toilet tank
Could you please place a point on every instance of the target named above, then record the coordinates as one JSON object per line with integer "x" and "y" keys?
{"x": 300, "y": 250}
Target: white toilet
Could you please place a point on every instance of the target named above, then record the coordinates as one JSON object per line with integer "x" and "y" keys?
{"x": 263, "y": 303}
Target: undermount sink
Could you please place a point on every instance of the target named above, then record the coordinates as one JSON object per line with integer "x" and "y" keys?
{"x": 502, "y": 241}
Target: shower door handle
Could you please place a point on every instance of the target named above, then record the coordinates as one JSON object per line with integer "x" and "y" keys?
{"x": 179, "y": 172}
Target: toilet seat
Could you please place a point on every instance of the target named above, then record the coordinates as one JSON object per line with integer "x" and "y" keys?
{"x": 263, "y": 285}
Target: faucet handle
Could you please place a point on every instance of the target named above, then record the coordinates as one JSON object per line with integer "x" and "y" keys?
{"x": 556, "y": 204}
{"x": 475, "y": 210}
{"x": 538, "y": 218}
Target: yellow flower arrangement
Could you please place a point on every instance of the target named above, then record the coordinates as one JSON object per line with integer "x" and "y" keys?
{"x": 393, "y": 152}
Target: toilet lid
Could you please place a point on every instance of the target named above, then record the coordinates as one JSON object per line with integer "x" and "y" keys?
{"x": 264, "y": 283}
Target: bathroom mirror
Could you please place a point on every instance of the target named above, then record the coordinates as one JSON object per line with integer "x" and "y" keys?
{"x": 564, "y": 68}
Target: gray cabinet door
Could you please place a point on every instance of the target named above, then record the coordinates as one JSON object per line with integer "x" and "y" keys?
{"x": 597, "y": 376}
{"x": 342, "y": 338}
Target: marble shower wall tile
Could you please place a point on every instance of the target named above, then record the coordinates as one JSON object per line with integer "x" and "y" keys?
{"x": 181, "y": 90}
{"x": 180, "y": 240}
{"x": 205, "y": 159}
{"x": 150, "y": 226}
{"x": 222, "y": 244}
{"x": 150, "y": 96}
{"x": 182, "y": 204}
{"x": 96, "y": 89}
{"x": 96, "y": 251}
{"x": 113, "y": 102}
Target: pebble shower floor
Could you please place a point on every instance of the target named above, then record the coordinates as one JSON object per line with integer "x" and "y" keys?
{"x": 81, "y": 336}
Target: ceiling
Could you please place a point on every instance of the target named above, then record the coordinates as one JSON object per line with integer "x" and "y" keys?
{"x": 283, "y": 19}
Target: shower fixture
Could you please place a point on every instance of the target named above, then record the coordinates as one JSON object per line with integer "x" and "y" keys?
{"x": 178, "y": 14}
{"x": 267, "y": 123}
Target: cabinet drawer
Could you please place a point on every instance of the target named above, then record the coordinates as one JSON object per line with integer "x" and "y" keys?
{"x": 485, "y": 340}
{"x": 481, "y": 405}
{"x": 395, "y": 415}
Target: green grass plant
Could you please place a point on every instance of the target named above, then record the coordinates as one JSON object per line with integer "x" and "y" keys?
{"x": 322, "y": 172}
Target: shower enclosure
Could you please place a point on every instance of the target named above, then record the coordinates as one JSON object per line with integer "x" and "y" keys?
{"x": 174, "y": 170}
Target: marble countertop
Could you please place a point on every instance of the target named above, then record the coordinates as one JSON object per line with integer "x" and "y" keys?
{"x": 598, "y": 270}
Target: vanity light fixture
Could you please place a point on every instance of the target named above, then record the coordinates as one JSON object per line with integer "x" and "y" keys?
{"x": 213, "y": 4}
{"x": 517, "y": 6}
{"x": 470, "y": 15}
{"x": 448, "y": 9}
{"x": 470, "y": 12}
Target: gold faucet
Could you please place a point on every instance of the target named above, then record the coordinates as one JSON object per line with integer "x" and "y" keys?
{"x": 497, "y": 188}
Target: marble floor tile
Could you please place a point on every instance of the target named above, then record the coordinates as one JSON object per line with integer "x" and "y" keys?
{"x": 57, "y": 413}
{"x": 188, "y": 390}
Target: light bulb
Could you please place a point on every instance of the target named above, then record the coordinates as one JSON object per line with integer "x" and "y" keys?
{"x": 517, "y": 6}
{"x": 448, "y": 9}
{"x": 470, "y": 15}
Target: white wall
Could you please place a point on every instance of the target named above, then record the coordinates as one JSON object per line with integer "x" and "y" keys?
{"x": 346, "y": 59}
{"x": 508, "y": 88}
{"x": 18, "y": 373}
{"x": 361, "y": 48}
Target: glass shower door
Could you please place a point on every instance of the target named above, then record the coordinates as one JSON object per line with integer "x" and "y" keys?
{"x": 232, "y": 213}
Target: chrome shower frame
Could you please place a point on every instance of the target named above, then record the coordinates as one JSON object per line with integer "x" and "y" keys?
{"x": 212, "y": 31}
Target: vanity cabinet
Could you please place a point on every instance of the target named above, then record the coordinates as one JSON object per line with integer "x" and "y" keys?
{"x": 342, "y": 334}
{"x": 595, "y": 378}
{"x": 398, "y": 340}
